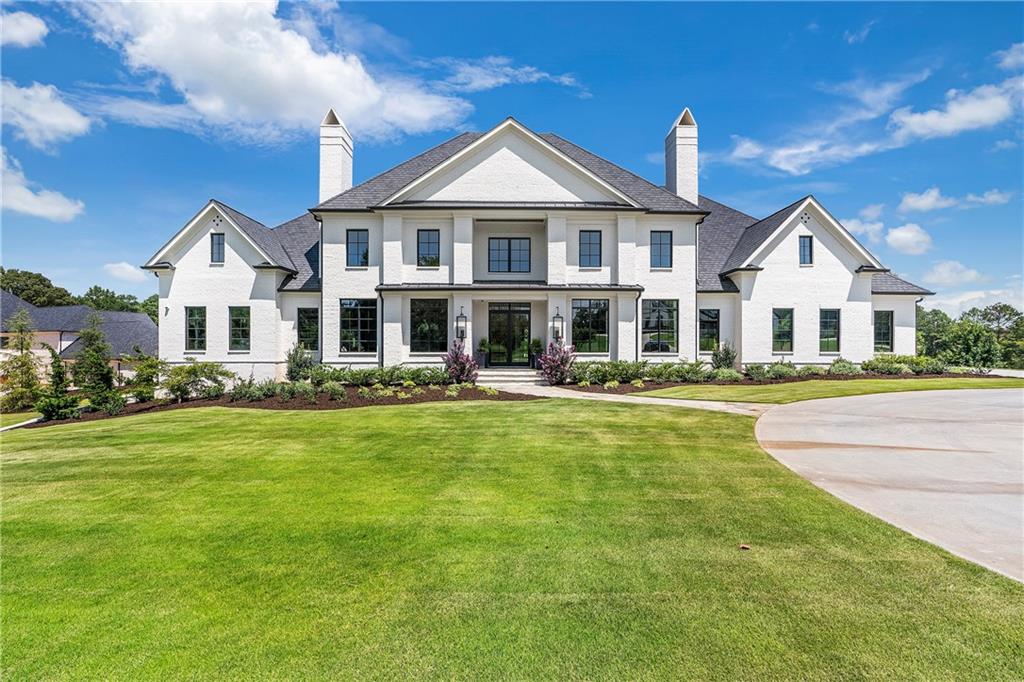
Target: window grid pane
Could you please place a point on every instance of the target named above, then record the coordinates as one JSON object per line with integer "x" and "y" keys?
{"x": 497, "y": 255}
{"x": 239, "y": 328}
{"x": 357, "y": 248}
{"x": 709, "y": 329}
{"x": 659, "y": 332}
{"x": 590, "y": 248}
{"x": 806, "y": 250}
{"x": 309, "y": 328}
{"x": 508, "y": 254}
{"x": 661, "y": 249}
{"x": 195, "y": 328}
{"x": 358, "y": 325}
{"x": 590, "y": 325}
{"x": 428, "y": 248}
{"x": 217, "y": 247}
{"x": 519, "y": 255}
{"x": 782, "y": 330}
{"x": 883, "y": 331}
{"x": 828, "y": 331}
{"x": 428, "y": 320}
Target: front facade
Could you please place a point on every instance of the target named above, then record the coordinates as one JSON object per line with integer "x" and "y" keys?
{"x": 509, "y": 237}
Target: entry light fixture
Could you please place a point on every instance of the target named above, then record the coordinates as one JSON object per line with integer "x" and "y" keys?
{"x": 558, "y": 325}
{"x": 460, "y": 323}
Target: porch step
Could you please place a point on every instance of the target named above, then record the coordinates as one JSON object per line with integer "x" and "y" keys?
{"x": 510, "y": 376}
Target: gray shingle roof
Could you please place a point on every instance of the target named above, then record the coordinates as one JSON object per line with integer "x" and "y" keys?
{"x": 301, "y": 239}
{"x": 756, "y": 234}
{"x": 261, "y": 234}
{"x": 717, "y": 238}
{"x": 888, "y": 283}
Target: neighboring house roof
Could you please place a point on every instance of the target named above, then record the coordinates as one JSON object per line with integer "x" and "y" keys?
{"x": 888, "y": 283}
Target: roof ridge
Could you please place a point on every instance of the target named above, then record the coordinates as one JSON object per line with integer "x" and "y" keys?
{"x": 784, "y": 208}
{"x": 232, "y": 208}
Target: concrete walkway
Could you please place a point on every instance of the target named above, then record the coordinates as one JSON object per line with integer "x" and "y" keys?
{"x": 943, "y": 465}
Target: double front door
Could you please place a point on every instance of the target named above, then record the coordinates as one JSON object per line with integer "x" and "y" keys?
{"x": 508, "y": 332}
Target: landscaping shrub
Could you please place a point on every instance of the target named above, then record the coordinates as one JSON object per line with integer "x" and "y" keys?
{"x": 843, "y": 367}
{"x": 487, "y": 390}
{"x": 111, "y": 402}
{"x": 971, "y": 344}
{"x": 661, "y": 372}
{"x": 306, "y": 391}
{"x": 335, "y": 390}
{"x": 460, "y": 367}
{"x": 56, "y": 403}
{"x": 893, "y": 364}
{"x": 726, "y": 374}
{"x": 638, "y": 383}
{"x": 811, "y": 371}
{"x": 19, "y": 373}
{"x": 287, "y": 390}
{"x": 556, "y": 364}
{"x": 757, "y": 372}
{"x": 318, "y": 375}
{"x": 300, "y": 362}
{"x": 723, "y": 357}
{"x": 427, "y": 376}
{"x": 695, "y": 372}
{"x": 603, "y": 371}
{"x": 143, "y": 384}
{"x": 611, "y": 385}
{"x": 190, "y": 379}
{"x": 780, "y": 370}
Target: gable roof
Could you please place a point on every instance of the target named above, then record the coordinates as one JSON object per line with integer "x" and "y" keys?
{"x": 260, "y": 234}
{"x": 755, "y": 235}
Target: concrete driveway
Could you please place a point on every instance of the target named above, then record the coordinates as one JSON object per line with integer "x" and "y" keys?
{"x": 943, "y": 465}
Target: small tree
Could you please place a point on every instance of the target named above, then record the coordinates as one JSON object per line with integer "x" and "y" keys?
{"x": 723, "y": 357}
{"x": 556, "y": 363}
{"x": 148, "y": 369}
{"x": 55, "y": 402}
{"x": 970, "y": 344}
{"x": 19, "y": 374}
{"x": 932, "y": 327}
{"x": 299, "y": 362}
{"x": 461, "y": 368}
{"x": 92, "y": 371}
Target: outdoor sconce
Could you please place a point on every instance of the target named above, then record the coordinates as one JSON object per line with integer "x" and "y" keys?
{"x": 460, "y": 324}
{"x": 558, "y": 323}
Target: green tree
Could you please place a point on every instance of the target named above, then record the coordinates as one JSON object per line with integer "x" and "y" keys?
{"x": 932, "y": 327}
{"x": 151, "y": 306}
{"x": 92, "y": 371}
{"x": 19, "y": 374}
{"x": 56, "y": 403}
{"x": 971, "y": 344}
{"x": 34, "y": 288}
{"x": 1001, "y": 318}
{"x": 99, "y": 298}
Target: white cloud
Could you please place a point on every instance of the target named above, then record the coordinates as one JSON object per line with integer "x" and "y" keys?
{"x": 983, "y": 107}
{"x": 124, "y": 271}
{"x": 23, "y": 196}
{"x": 993, "y": 197}
{"x": 1011, "y": 58}
{"x": 21, "y": 29}
{"x": 1003, "y": 145}
{"x": 859, "y": 36}
{"x": 957, "y": 302}
{"x": 656, "y": 158}
{"x": 475, "y": 75}
{"x": 929, "y": 200}
{"x": 871, "y": 229}
{"x": 910, "y": 239}
{"x": 245, "y": 73}
{"x": 950, "y": 273}
{"x": 39, "y": 114}
{"x": 871, "y": 211}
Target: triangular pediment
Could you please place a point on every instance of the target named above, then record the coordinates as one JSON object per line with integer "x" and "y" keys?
{"x": 510, "y": 164}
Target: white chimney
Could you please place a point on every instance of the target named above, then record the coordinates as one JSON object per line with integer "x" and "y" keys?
{"x": 681, "y": 157}
{"x": 335, "y": 157}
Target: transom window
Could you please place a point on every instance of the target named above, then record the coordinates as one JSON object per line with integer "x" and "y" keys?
{"x": 357, "y": 248}
{"x": 590, "y": 325}
{"x": 590, "y": 248}
{"x": 239, "y": 328}
{"x": 308, "y": 322}
{"x": 195, "y": 328}
{"x": 660, "y": 331}
{"x": 883, "y": 331}
{"x": 710, "y": 326}
{"x": 806, "y": 250}
{"x": 358, "y": 325}
{"x": 661, "y": 249}
{"x": 508, "y": 254}
{"x": 828, "y": 331}
{"x": 428, "y": 248}
{"x": 782, "y": 330}
{"x": 428, "y": 320}
{"x": 217, "y": 247}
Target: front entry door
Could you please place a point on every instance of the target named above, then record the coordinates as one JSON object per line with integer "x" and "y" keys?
{"x": 508, "y": 326}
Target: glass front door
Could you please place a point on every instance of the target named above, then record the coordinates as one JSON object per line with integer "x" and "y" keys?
{"x": 508, "y": 326}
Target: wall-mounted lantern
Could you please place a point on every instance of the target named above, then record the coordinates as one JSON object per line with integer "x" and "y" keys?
{"x": 558, "y": 325}
{"x": 460, "y": 324}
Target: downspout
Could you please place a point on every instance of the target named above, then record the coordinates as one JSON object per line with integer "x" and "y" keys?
{"x": 380, "y": 329}
{"x": 636, "y": 327}
{"x": 320, "y": 266}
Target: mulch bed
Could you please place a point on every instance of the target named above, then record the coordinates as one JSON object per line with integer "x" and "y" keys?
{"x": 353, "y": 399}
{"x": 650, "y": 385}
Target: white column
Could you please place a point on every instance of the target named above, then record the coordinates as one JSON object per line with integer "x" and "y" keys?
{"x": 394, "y": 351}
{"x": 625, "y": 337}
{"x": 462, "y": 249}
{"x": 625, "y": 257}
{"x": 392, "y": 248}
{"x": 556, "y": 249}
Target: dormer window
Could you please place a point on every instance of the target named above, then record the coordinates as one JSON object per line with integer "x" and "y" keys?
{"x": 806, "y": 250}
{"x": 217, "y": 247}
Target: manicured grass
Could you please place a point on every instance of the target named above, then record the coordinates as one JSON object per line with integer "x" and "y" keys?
{"x": 529, "y": 540}
{"x": 9, "y": 418}
{"x": 809, "y": 390}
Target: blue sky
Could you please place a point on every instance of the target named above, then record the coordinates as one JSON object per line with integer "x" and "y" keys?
{"x": 120, "y": 121}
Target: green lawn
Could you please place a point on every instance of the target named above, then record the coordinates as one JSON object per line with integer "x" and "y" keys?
{"x": 824, "y": 388}
{"x": 529, "y": 540}
{"x": 9, "y": 418}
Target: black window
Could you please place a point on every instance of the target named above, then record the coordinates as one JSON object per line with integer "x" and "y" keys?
{"x": 309, "y": 328}
{"x": 828, "y": 331}
{"x": 806, "y": 250}
{"x": 217, "y": 247}
{"x": 590, "y": 325}
{"x": 239, "y": 328}
{"x": 195, "y": 328}
{"x": 428, "y": 322}
{"x": 709, "y": 329}
{"x": 782, "y": 330}
{"x": 428, "y": 248}
{"x": 508, "y": 254}
{"x": 358, "y": 325}
{"x": 661, "y": 249}
{"x": 660, "y": 331}
{"x": 357, "y": 248}
{"x": 590, "y": 248}
{"x": 883, "y": 331}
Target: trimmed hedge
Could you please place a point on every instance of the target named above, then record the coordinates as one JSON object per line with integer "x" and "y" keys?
{"x": 397, "y": 375}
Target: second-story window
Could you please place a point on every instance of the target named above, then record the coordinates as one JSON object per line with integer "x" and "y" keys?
{"x": 661, "y": 249}
{"x": 357, "y": 248}
{"x": 428, "y": 248}
{"x": 806, "y": 250}
{"x": 590, "y": 248}
{"x": 508, "y": 254}
{"x": 217, "y": 247}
